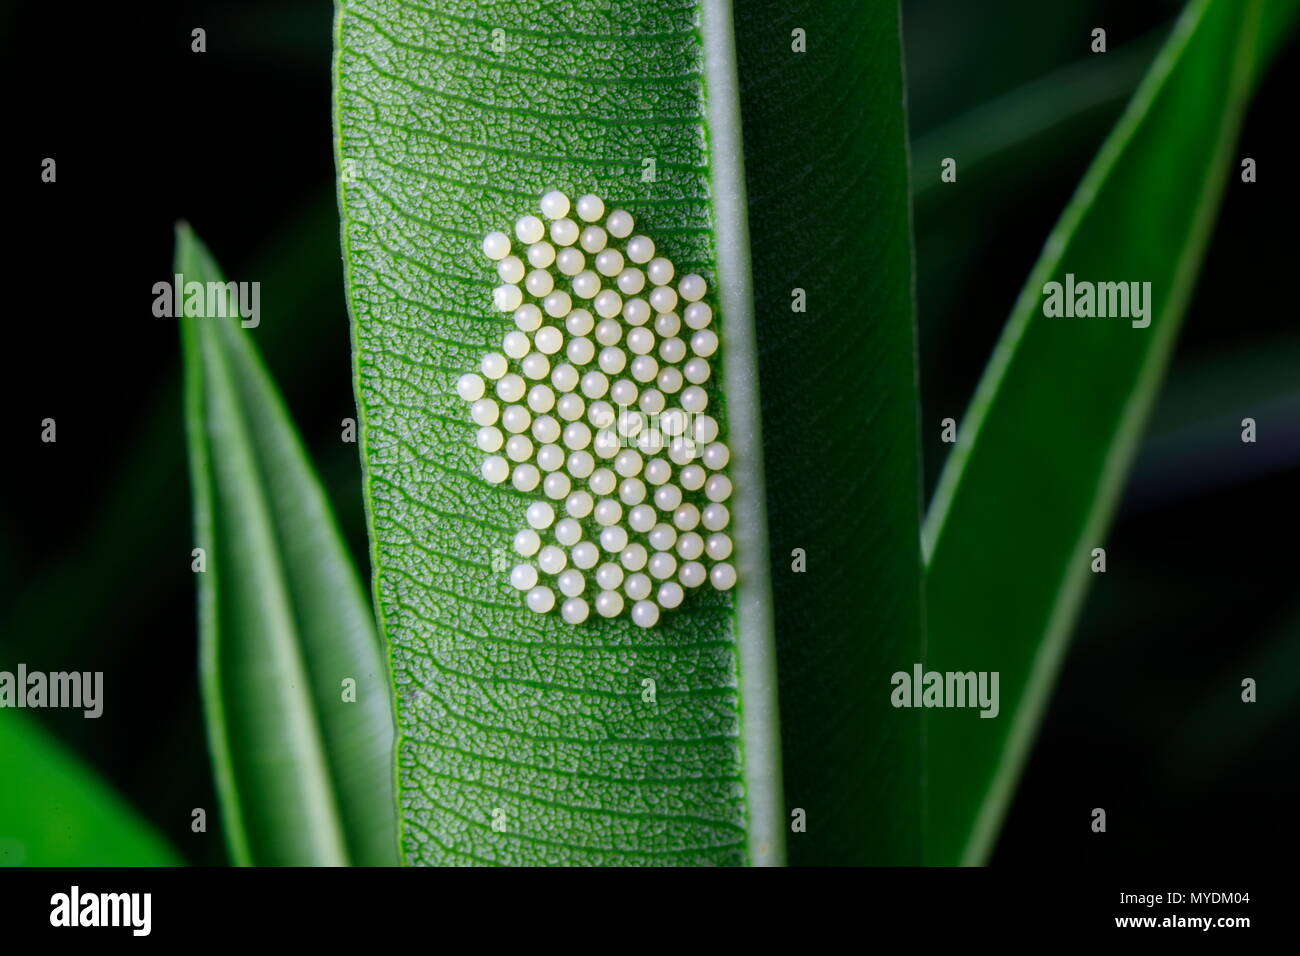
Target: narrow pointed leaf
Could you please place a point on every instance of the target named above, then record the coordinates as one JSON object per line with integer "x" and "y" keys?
{"x": 56, "y": 811}
{"x": 304, "y": 773}
{"x": 528, "y": 740}
{"x": 1041, "y": 456}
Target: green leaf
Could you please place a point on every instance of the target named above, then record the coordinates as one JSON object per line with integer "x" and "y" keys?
{"x": 1033, "y": 480}
{"x": 55, "y": 811}
{"x": 304, "y": 776}
{"x": 527, "y": 740}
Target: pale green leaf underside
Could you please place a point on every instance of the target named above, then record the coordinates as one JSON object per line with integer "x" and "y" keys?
{"x": 506, "y": 715}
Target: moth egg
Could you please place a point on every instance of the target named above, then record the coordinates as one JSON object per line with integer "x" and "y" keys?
{"x": 556, "y": 485}
{"x": 528, "y": 318}
{"x": 609, "y": 263}
{"x": 568, "y": 532}
{"x": 580, "y": 351}
{"x": 608, "y": 304}
{"x": 636, "y": 311}
{"x": 541, "y": 399}
{"x": 576, "y": 436}
{"x": 571, "y": 583}
{"x": 527, "y": 542}
{"x": 692, "y": 287}
{"x": 662, "y": 565}
{"x": 546, "y": 429}
{"x": 519, "y": 448}
{"x": 650, "y": 441}
{"x": 630, "y": 282}
{"x": 579, "y": 504}
{"x": 579, "y": 322}
{"x": 548, "y": 340}
{"x": 628, "y": 463}
{"x": 652, "y": 401}
{"x": 609, "y": 604}
{"x": 555, "y": 205}
{"x": 535, "y": 366}
{"x": 692, "y": 574}
{"x": 496, "y": 245}
{"x": 590, "y": 207}
{"x": 634, "y": 557}
{"x": 706, "y": 428}
{"x": 540, "y": 515}
{"x": 663, "y": 299}
{"x": 644, "y": 368}
{"x": 620, "y": 224}
{"x": 608, "y": 332}
{"x": 690, "y": 545}
{"x": 511, "y": 269}
{"x": 612, "y": 360}
{"x": 640, "y": 341}
{"x": 484, "y": 411}
{"x": 606, "y": 443}
{"x": 641, "y": 249}
{"x": 600, "y": 414}
{"x": 693, "y": 477}
{"x": 569, "y": 407}
{"x": 716, "y": 456}
{"x": 670, "y": 594}
{"x": 641, "y": 518}
{"x": 669, "y": 380}
{"x": 694, "y": 399}
{"x": 623, "y": 392}
{"x": 574, "y": 610}
{"x": 704, "y": 342}
{"x": 523, "y": 576}
{"x": 631, "y": 491}
{"x": 723, "y": 576}
{"x": 581, "y": 464}
{"x": 630, "y": 423}
{"x": 557, "y": 304}
{"x": 719, "y": 547}
{"x": 672, "y": 350}
{"x": 469, "y": 387}
{"x": 687, "y": 517}
{"x": 507, "y": 297}
{"x": 495, "y": 469}
{"x": 570, "y": 262}
{"x": 539, "y": 283}
{"x": 564, "y": 378}
{"x": 594, "y": 385}
{"x": 515, "y": 419}
{"x": 645, "y": 614}
{"x": 657, "y": 471}
{"x": 511, "y": 388}
{"x": 490, "y": 438}
{"x": 662, "y": 537}
{"x": 608, "y": 512}
{"x": 668, "y": 497}
{"x": 637, "y": 586}
{"x": 541, "y": 255}
{"x": 586, "y": 284}
{"x": 529, "y": 229}
{"x": 552, "y": 560}
{"x": 593, "y": 239}
{"x": 585, "y": 555}
{"x": 541, "y": 599}
{"x": 564, "y": 232}
{"x": 697, "y": 315}
{"x": 550, "y": 457}
{"x": 715, "y": 517}
{"x": 609, "y": 576}
{"x": 526, "y": 477}
{"x": 516, "y": 344}
{"x": 673, "y": 422}
{"x": 682, "y": 450}
{"x": 696, "y": 371}
{"x": 613, "y": 539}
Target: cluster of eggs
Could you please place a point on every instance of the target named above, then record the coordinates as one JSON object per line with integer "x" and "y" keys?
{"x": 603, "y": 416}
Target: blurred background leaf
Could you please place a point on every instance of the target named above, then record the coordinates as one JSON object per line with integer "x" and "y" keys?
{"x": 304, "y": 770}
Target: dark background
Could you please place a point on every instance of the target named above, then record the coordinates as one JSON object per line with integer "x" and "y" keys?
{"x": 95, "y": 541}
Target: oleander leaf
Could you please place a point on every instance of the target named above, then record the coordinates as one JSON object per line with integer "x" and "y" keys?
{"x": 303, "y": 773}
{"x": 525, "y": 740}
{"x": 1033, "y": 480}
{"x": 56, "y": 811}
